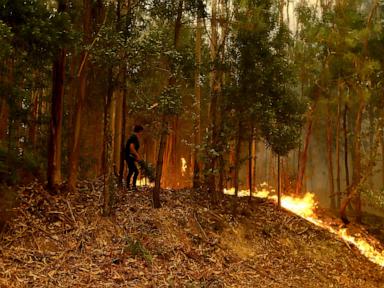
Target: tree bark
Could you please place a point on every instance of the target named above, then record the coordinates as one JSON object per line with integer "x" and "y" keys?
{"x": 338, "y": 181}
{"x": 34, "y": 116}
{"x": 164, "y": 124}
{"x": 382, "y": 156}
{"x": 304, "y": 154}
{"x": 330, "y": 159}
{"x": 54, "y": 145}
{"x": 345, "y": 130}
{"x": 108, "y": 191}
{"x": 81, "y": 78}
{"x": 250, "y": 160}
{"x": 278, "y": 182}
{"x": 159, "y": 164}
{"x": 353, "y": 191}
{"x": 237, "y": 159}
{"x": 123, "y": 127}
{"x": 214, "y": 90}
{"x": 197, "y": 123}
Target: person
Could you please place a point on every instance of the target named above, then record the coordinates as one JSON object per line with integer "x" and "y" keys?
{"x": 132, "y": 155}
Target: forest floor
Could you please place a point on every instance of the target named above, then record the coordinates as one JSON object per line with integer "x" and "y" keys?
{"x": 63, "y": 241}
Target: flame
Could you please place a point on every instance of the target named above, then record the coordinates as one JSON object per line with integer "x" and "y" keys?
{"x": 142, "y": 182}
{"x": 305, "y": 207}
{"x": 183, "y": 166}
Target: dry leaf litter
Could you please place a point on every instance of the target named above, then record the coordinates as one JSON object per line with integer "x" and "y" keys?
{"x": 63, "y": 241}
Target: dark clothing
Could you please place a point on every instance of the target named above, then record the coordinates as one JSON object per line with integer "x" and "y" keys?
{"x": 131, "y": 140}
{"x": 132, "y": 170}
{"x": 131, "y": 160}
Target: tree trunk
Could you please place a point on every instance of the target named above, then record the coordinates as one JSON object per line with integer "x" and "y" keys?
{"x": 345, "y": 130}
{"x": 338, "y": 181}
{"x": 304, "y": 154}
{"x": 159, "y": 164}
{"x": 330, "y": 159}
{"x": 254, "y": 153}
{"x": 54, "y": 146}
{"x": 34, "y": 116}
{"x": 108, "y": 189}
{"x": 278, "y": 182}
{"x": 123, "y": 127}
{"x": 81, "y": 76}
{"x": 250, "y": 160}
{"x": 197, "y": 123}
{"x": 214, "y": 90}
{"x": 382, "y": 156}
{"x": 5, "y": 98}
{"x": 237, "y": 160}
{"x": 353, "y": 191}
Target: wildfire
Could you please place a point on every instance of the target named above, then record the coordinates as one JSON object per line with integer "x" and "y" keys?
{"x": 143, "y": 182}
{"x": 305, "y": 207}
{"x": 183, "y": 166}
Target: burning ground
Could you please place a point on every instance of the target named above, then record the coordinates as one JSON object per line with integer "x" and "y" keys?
{"x": 63, "y": 241}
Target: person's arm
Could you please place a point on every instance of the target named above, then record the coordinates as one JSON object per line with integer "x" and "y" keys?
{"x": 134, "y": 152}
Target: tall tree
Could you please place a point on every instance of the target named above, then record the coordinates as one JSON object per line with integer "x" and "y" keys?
{"x": 54, "y": 145}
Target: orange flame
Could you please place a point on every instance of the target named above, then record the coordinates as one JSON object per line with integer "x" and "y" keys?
{"x": 183, "y": 166}
{"x": 143, "y": 182}
{"x": 305, "y": 207}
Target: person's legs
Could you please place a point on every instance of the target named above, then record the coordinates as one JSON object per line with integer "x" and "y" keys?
{"x": 135, "y": 174}
{"x": 131, "y": 171}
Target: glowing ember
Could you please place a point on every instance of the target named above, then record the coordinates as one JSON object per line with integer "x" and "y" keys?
{"x": 183, "y": 166}
{"x": 305, "y": 207}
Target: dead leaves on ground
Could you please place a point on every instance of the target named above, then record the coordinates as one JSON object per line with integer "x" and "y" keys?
{"x": 63, "y": 241}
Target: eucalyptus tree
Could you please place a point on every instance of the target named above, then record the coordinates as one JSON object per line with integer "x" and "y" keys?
{"x": 40, "y": 36}
{"x": 263, "y": 80}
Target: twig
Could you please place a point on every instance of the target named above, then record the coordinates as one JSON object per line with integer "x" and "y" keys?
{"x": 201, "y": 228}
{"x": 70, "y": 209}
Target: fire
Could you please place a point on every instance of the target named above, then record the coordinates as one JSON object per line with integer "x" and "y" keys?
{"x": 183, "y": 166}
{"x": 143, "y": 182}
{"x": 305, "y": 207}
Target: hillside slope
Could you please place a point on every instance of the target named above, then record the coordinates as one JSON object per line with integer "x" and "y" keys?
{"x": 64, "y": 242}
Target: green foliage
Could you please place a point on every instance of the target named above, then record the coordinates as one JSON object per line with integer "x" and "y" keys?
{"x": 265, "y": 79}
{"x": 6, "y": 36}
{"x": 136, "y": 248}
{"x": 170, "y": 101}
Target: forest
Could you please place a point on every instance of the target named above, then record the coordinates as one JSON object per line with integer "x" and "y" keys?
{"x": 260, "y": 126}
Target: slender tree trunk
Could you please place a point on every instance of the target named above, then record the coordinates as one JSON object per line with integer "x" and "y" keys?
{"x": 123, "y": 127}
{"x": 382, "y": 156}
{"x": 330, "y": 159}
{"x": 214, "y": 87}
{"x": 54, "y": 146}
{"x": 164, "y": 127}
{"x": 108, "y": 190}
{"x": 237, "y": 160}
{"x": 81, "y": 78}
{"x": 159, "y": 164}
{"x": 278, "y": 182}
{"x": 254, "y": 153}
{"x": 117, "y": 134}
{"x": 34, "y": 116}
{"x": 345, "y": 130}
{"x": 338, "y": 181}
{"x": 197, "y": 124}
{"x": 250, "y": 160}
{"x": 5, "y": 98}
{"x": 304, "y": 154}
{"x": 353, "y": 190}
